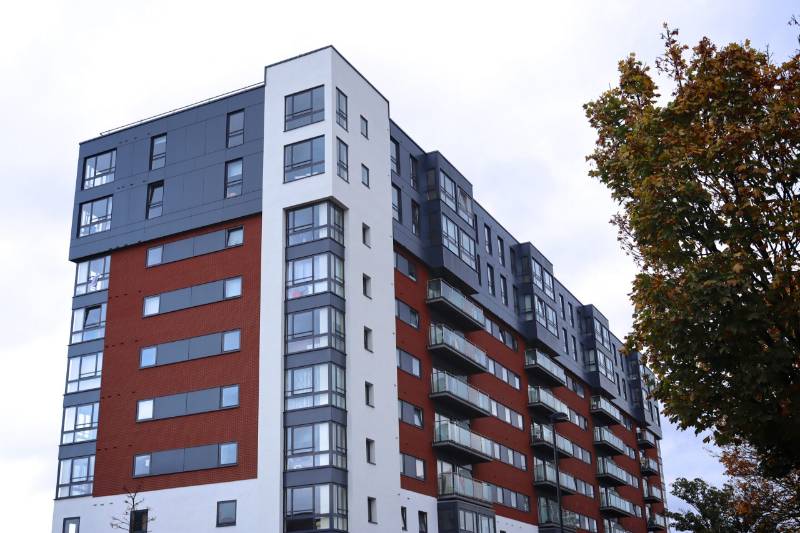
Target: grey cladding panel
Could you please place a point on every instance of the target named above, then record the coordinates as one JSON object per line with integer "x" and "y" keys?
{"x": 202, "y": 401}
{"x": 79, "y": 398}
{"x": 205, "y": 345}
{"x": 175, "y": 251}
{"x": 166, "y": 462}
{"x": 201, "y": 457}
{"x": 206, "y": 293}
{"x": 172, "y": 352}
{"x": 210, "y": 242}
{"x": 169, "y": 406}
{"x": 77, "y": 450}
{"x": 174, "y": 300}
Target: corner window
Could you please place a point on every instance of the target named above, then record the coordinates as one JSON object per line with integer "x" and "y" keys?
{"x": 233, "y": 178}
{"x": 313, "y": 386}
{"x": 397, "y": 206}
{"x": 88, "y": 323}
{"x": 315, "y": 445}
{"x": 304, "y": 159}
{"x": 415, "y": 218}
{"x": 95, "y": 217}
{"x": 364, "y": 127}
{"x": 341, "y": 160}
{"x": 99, "y": 169}
{"x": 232, "y": 288}
{"x": 320, "y": 221}
{"x": 394, "y": 156}
{"x": 314, "y": 329}
{"x": 92, "y": 275}
{"x": 158, "y": 151}
{"x": 304, "y": 108}
{"x": 365, "y": 175}
{"x": 310, "y": 507}
{"x": 80, "y": 423}
{"x": 75, "y": 477}
{"x": 314, "y": 275}
{"x": 234, "y": 237}
{"x": 235, "y": 128}
{"x": 155, "y": 199}
{"x": 84, "y": 372}
{"x": 226, "y": 513}
{"x": 341, "y": 109}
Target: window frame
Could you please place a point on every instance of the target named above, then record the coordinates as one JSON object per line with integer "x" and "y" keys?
{"x": 220, "y": 523}
{"x": 105, "y": 176}
{"x": 86, "y": 218}
{"x": 342, "y": 165}
{"x": 341, "y": 112}
{"x": 155, "y": 205}
{"x": 235, "y": 181}
{"x": 315, "y": 167}
{"x": 158, "y": 160}
{"x": 234, "y": 134}
{"x": 314, "y": 115}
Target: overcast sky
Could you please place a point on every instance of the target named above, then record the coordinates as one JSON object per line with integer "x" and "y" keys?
{"x": 498, "y": 90}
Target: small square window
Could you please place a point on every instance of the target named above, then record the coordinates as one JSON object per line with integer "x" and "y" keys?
{"x": 233, "y": 287}
{"x": 423, "y": 521}
{"x": 151, "y": 305}
{"x": 227, "y": 453}
{"x": 369, "y": 394}
{"x": 364, "y": 127}
{"x": 365, "y": 235}
{"x": 367, "y": 339}
{"x": 148, "y": 356}
{"x": 144, "y": 410}
{"x": 226, "y": 513}
{"x": 72, "y": 525}
{"x": 139, "y": 521}
{"x": 230, "y": 341}
{"x": 141, "y": 465}
{"x": 366, "y": 285}
{"x": 372, "y": 510}
{"x": 230, "y": 396}
{"x": 154, "y": 255}
{"x": 235, "y": 237}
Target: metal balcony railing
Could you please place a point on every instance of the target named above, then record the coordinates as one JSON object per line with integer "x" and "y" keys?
{"x": 540, "y": 395}
{"x": 603, "y": 435}
{"x": 441, "y": 335}
{"x": 448, "y": 432}
{"x": 442, "y": 382}
{"x": 614, "y": 501}
{"x": 439, "y": 289}
{"x": 536, "y": 359}
{"x": 604, "y": 406}
{"x": 452, "y": 484}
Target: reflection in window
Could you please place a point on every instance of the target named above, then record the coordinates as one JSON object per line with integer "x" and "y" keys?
{"x": 315, "y": 222}
{"x": 92, "y": 275}
{"x": 303, "y": 159}
{"x": 99, "y": 169}
{"x": 88, "y": 323}
{"x": 313, "y": 386}
{"x": 84, "y": 372}
{"x": 313, "y": 329}
{"x": 316, "y": 507}
{"x": 313, "y": 275}
{"x": 95, "y": 216}
{"x": 314, "y": 445}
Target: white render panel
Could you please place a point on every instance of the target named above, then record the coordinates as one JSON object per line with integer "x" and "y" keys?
{"x": 415, "y": 502}
{"x": 192, "y": 508}
{"x": 502, "y": 523}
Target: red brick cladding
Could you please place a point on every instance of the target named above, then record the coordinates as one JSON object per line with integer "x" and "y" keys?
{"x": 120, "y": 437}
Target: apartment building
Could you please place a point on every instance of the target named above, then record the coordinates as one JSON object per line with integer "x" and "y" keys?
{"x": 288, "y": 316}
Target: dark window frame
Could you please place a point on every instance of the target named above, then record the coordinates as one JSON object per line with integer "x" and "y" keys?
{"x": 342, "y": 165}
{"x": 341, "y": 113}
{"x": 314, "y": 115}
{"x": 232, "y": 135}
{"x": 315, "y": 167}
{"x": 158, "y": 160}
{"x": 227, "y": 523}
{"x": 155, "y": 204}
{"x": 105, "y": 176}
{"x": 231, "y": 185}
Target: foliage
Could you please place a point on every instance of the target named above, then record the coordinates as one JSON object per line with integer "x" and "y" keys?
{"x": 712, "y": 509}
{"x": 709, "y": 188}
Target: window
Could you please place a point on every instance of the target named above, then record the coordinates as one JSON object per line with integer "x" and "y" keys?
{"x": 147, "y": 357}
{"x": 447, "y": 190}
{"x": 232, "y": 288}
{"x": 415, "y": 218}
{"x": 412, "y": 169}
{"x": 367, "y": 339}
{"x": 404, "y": 266}
{"x": 152, "y": 305}
{"x": 312, "y": 386}
{"x": 99, "y": 169}
{"x": 566, "y": 340}
{"x": 458, "y": 242}
{"x": 231, "y": 340}
{"x": 571, "y": 316}
{"x": 155, "y": 199}
{"x": 314, "y": 275}
{"x": 365, "y": 175}
{"x": 234, "y": 237}
{"x": 412, "y": 466}
{"x": 364, "y": 127}
{"x": 548, "y": 285}
{"x": 303, "y": 159}
{"x": 158, "y": 151}
{"x": 408, "y": 363}
{"x": 487, "y": 238}
{"x": 141, "y": 465}
{"x": 316, "y": 507}
{"x": 409, "y": 413}
{"x": 403, "y": 519}
{"x": 341, "y": 109}
{"x": 450, "y": 234}
{"x": 84, "y": 371}
{"x": 304, "y": 108}
{"x": 138, "y": 521}
{"x": 229, "y": 396}
{"x": 423, "y": 521}
{"x": 397, "y": 206}
{"x": 92, "y": 275}
{"x": 95, "y": 217}
{"x": 406, "y": 313}
{"x": 88, "y": 323}
{"x": 465, "y": 207}
{"x": 369, "y": 394}
{"x": 313, "y": 329}
{"x": 467, "y": 249}
{"x": 513, "y": 256}
{"x": 235, "y": 128}
{"x": 144, "y": 410}
{"x": 155, "y": 255}
{"x": 233, "y": 178}
{"x": 503, "y": 290}
{"x": 563, "y": 307}
{"x": 501, "y": 251}
{"x": 574, "y": 348}
{"x": 320, "y": 221}
{"x": 80, "y": 423}
{"x": 75, "y": 477}
{"x": 370, "y": 445}
{"x": 490, "y": 278}
{"x": 372, "y": 510}
{"x": 71, "y": 525}
{"x": 315, "y": 445}
{"x": 394, "y": 156}
{"x": 366, "y": 285}
{"x": 365, "y": 235}
{"x": 228, "y": 453}
{"x": 226, "y": 513}
{"x": 341, "y": 163}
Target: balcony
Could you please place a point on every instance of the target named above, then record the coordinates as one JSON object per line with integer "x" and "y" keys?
{"x": 543, "y": 401}
{"x": 608, "y": 471}
{"x": 458, "y": 350}
{"x": 548, "y": 518}
{"x": 652, "y": 492}
{"x": 461, "y": 443}
{"x": 544, "y": 475}
{"x": 650, "y": 467}
{"x": 612, "y": 504}
{"x": 452, "y": 303}
{"x": 544, "y": 367}
{"x": 645, "y": 438}
{"x": 605, "y": 410}
{"x": 459, "y": 396}
{"x": 656, "y": 522}
{"x": 542, "y": 436}
{"x": 452, "y": 485}
{"x": 613, "y": 527}
{"x": 607, "y": 442}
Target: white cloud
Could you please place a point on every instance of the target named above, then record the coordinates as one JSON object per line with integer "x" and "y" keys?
{"x": 496, "y": 87}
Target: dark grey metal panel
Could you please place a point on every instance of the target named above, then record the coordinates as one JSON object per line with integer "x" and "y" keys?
{"x": 209, "y": 242}
{"x": 202, "y": 401}
{"x": 315, "y": 300}
{"x": 169, "y": 406}
{"x": 324, "y": 355}
{"x": 201, "y": 457}
{"x": 313, "y": 476}
{"x": 78, "y": 398}
{"x": 68, "y": 451}
{"x": 205, "y": 345}
{"x": 93, "y": 298}
{"x": 206, "y": 293}
{"x": 175, "y": 251}
{"x": 315, "y": 414}
{"x": 166, "y": 461}
{"x": 172, "y": 352}
{"x": 175, "y": 300}
{"x": 83, "y": 348}
{"x": 315, "y": 247}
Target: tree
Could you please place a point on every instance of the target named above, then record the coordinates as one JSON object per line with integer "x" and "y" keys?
{"x": 708, "y": 184}
{"x": 131, "y": 521}
{"x": 712, "y": 510}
